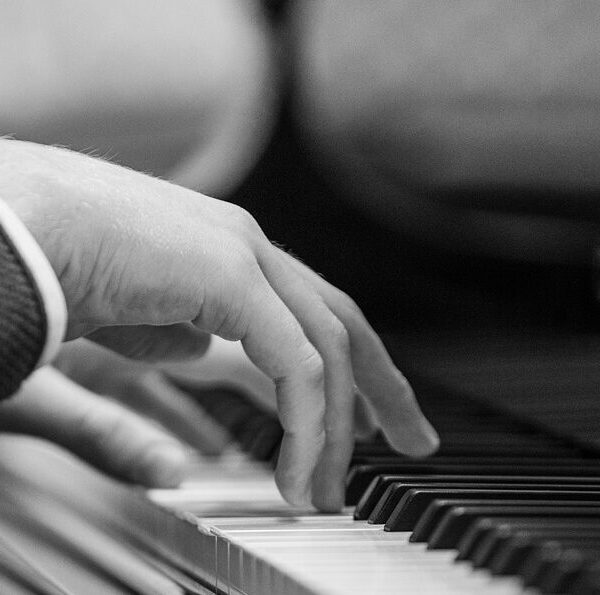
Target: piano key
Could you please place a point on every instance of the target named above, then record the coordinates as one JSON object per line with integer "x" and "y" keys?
{"x": 541, "y": 560}
{"x": 385, "y": 508}
{"x": 457, "y": 518}
{"x": 511, "y": 553}
{"x": 435, "y": 512}
{"x": 346, "y": 557}
{"x": 490, "y": 546}
{"x": 571, "y": 565}
{"x": 361, "y": 476}
{"x": 486, "y": 537}
{"x": 566, "y": 571}
{"x": 373, "y": 497}
{"x": 545, "y": 557}
{"x": 587, "y": 582}
{"x": 415, "y": 501}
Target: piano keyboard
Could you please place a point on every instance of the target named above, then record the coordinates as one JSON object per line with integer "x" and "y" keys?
{"x": 504, "y": 507}
{"x": 253, "y": 543}
{"x": 434, "y": 526}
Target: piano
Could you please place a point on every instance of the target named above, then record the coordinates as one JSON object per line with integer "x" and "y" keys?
{"x": 510, "y": 503}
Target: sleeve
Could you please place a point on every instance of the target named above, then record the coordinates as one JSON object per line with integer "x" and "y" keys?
{"x": 33, "y": 313}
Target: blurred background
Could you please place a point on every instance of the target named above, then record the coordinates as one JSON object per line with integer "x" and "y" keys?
{"x": 427, "y": 159}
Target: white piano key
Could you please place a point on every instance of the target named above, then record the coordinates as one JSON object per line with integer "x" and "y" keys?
{"x": 276, "y": 549}
{"x": 335, "y": 555}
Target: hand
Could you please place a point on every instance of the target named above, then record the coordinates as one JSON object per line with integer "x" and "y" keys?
{"x": 145, "y": 263}
{"x": 104, "y": 433}
{"x": 146, "y": 389}
{"x": 150, "y": 391}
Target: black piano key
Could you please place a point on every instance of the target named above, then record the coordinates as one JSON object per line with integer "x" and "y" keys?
{"x": 495, "y": 540}
{"x": 359, "y": 477}
{"x": 476, "y": 534}
{"x": 539, "y": 561}
{"x": 487, "y": 540}
{"x": 415, "y": 501}
{"x": 562, "y": 578}
{"x": 571, "y": 565}
{"x": 490, "y": 543}
{"x": 542, "y": 560}
{"x": 587, "y": 582}
{"x": 388, "y": 502}
{"x": 564, "y": 572}
{"x": 457, "y": 518}
{"x": 376, "y": 508}
{"x": 390, "y": 499}
{"x": 437, "y": 509}
{"x": 510, "y": 554}
{"x": 372, "y": 496}
{"x": 572, "y": 558}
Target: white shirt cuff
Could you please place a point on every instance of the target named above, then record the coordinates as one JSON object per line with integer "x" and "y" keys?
{"x": 53, "y": 300}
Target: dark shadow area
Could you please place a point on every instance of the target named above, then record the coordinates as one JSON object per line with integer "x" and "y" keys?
{"x": 400, "y": 284}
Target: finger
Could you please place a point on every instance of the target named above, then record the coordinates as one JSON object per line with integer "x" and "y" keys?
{"x": 365, "y": 422}
{"x": 330, "y": 338}
{"x": 226, "y": 364}
{"x": 276, "y": 343}
{"x": 154, "y": 343}
{"x": 102, "y": 432}
{"x": 378, "y": 379}
{"x": 145, "y": 389}
{"x": 154, "y": 395}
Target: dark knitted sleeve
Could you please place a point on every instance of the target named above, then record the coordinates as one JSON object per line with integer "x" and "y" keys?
{"x": 22, "y": 320}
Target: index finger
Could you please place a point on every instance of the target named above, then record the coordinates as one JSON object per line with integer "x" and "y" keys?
{"x": 275, "y": 342}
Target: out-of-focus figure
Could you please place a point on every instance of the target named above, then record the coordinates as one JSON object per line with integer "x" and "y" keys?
{"x": 444, "y": 119}
{"x": 184, "y": 89}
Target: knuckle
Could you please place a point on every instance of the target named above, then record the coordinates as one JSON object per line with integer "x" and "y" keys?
{"x": 406, "y": 392}
{"x": 233, "y": 314}
{"x": 243, "y": 221}
{"x": 348, "y": 306}
{"x": 312, "y": 366}
{"x": 244, "y": 268}
{"x": 339, "y": 337}
{"x": 230, "y": 324}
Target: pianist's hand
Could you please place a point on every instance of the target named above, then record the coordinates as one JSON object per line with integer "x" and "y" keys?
{"x": 151, "y": 269}
{"x": 149, "y": 388}
{"x": 106, "y": 434}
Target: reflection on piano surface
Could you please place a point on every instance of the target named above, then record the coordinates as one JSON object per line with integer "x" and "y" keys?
{"x": 510, "y": 504}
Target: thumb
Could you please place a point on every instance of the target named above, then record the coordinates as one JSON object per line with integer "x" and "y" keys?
{"x": 102, "y": 432}
{"x": 174, "y": 342}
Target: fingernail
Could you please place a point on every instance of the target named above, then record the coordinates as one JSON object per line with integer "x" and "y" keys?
{"x": 166, "y": 464}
